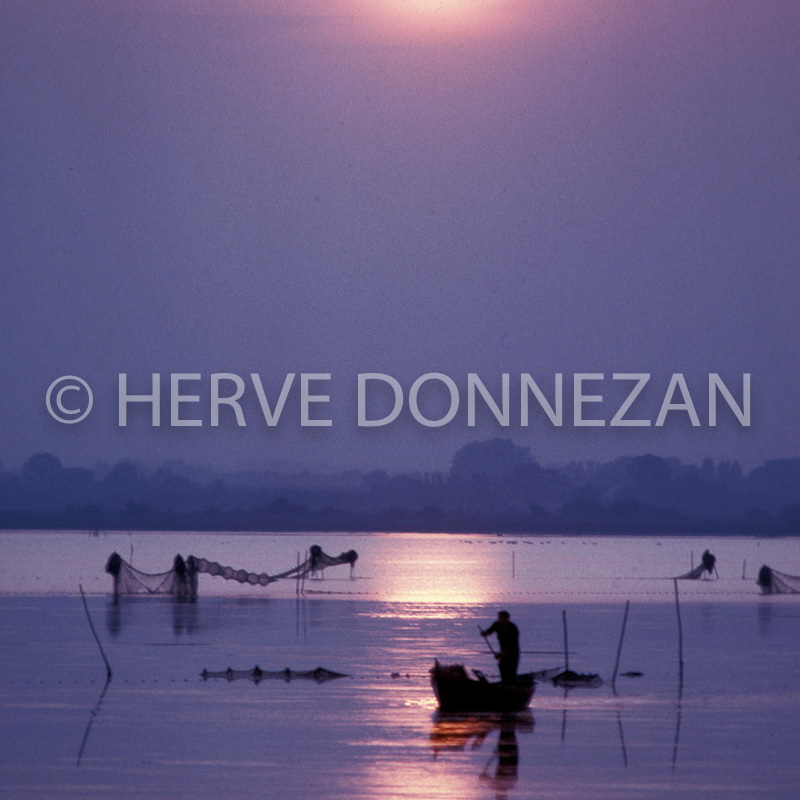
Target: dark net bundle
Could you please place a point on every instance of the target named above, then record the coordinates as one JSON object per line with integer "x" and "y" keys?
{"x": 180, "y": 581}
{"x": 773, "y": 582}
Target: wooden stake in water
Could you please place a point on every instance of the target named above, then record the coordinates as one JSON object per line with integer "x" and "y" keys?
{"x": 513, "y": 565}
{"x": 621, "y": 637}
{"x": 680, "y": 629}
{"x": 566, "y": 645}
{"x": 96, "y": 637}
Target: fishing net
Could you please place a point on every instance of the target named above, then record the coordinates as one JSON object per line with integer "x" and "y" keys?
{"x": 320, "y": 674}
{"x": 181, "y": 580}
{"x": 314, "y": 564}
{"x": 693, "y": 575}
{"x": 773, "y": 582}
{"x": 707, "y": 564}
{"x": 230, "y": 574}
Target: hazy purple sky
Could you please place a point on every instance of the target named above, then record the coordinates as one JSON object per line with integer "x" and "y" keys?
{"x": 351, "y": 186}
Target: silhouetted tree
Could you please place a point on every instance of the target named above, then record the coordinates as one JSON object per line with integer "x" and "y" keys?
{"x": 489, "y": 460}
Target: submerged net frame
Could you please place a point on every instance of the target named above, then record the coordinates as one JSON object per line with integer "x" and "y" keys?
{"x": 181, "y": 580}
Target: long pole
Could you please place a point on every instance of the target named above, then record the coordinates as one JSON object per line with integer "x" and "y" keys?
{"x": 92, "y": 718}
{"x": 680, "y": 629}
{"x": 303, "y": 577}
{"x": 619, "y": 647}
{"x": 566, "y": 644}
{"x": 96, "y": 637}
{"x": 488, "y": 643}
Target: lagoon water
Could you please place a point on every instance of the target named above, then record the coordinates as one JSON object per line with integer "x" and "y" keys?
{"x": 729, "y": 728}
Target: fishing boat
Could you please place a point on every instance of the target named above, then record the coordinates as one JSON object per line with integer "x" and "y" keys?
{"x": 456, "y": 691}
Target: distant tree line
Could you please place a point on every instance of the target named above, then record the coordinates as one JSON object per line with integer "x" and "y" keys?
{"x": 491, "y": 486}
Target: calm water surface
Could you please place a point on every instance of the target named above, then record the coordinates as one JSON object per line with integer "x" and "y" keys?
{"x": 730, "y": 728}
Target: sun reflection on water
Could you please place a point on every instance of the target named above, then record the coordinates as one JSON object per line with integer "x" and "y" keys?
{"x": 422, "y": 569}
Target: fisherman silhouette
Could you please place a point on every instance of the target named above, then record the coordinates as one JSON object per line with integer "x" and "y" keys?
{"x": 508, "y": 639}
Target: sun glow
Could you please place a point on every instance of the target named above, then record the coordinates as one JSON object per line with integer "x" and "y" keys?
{"x": 439, "y": 18}
{"x": 401, "y": 21}
{"x": 439, "y": 9}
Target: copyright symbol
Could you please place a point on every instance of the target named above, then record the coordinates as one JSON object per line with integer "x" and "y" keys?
{"x": 70, "y": 408}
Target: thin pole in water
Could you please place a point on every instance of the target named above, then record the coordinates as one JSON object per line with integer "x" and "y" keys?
{"x": 96, "y": 637}
{"x": 513, "y": 565}
{"x": 744, "y": 568}
{"x": 566, "y": 645}
{"x": 680, "y": 629}
{"x": 619, "y": 647}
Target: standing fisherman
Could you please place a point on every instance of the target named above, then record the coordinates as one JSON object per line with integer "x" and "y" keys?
{"x": 508, "y": 639}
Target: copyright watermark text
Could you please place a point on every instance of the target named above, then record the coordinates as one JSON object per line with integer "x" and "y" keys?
{"x": 621, "y": 399}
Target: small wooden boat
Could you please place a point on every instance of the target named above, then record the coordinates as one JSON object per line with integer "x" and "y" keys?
{"x": 456, "y": 691}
